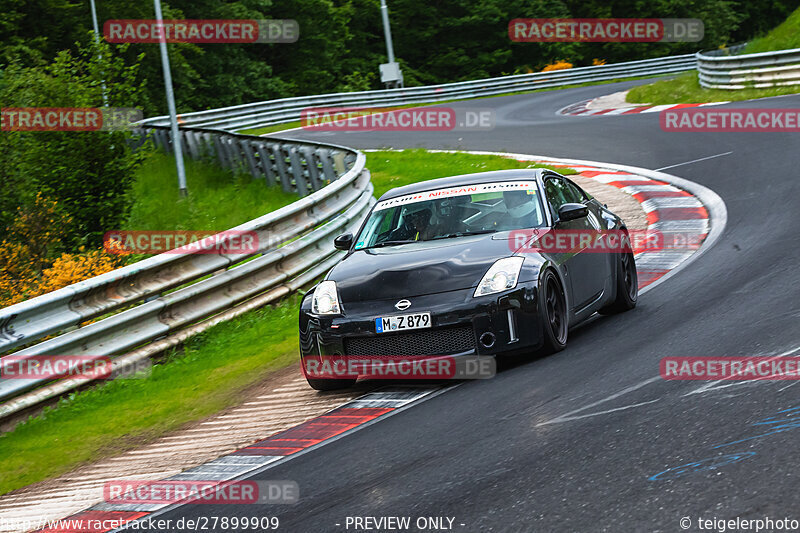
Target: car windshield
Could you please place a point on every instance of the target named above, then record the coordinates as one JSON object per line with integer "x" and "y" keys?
{"x": 452, "y": 213}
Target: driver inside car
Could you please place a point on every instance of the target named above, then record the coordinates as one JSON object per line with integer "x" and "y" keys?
{"x": 415, "y": 226}
{"x": 521, "y": 208}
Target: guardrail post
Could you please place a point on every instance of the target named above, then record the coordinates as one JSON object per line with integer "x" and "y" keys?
{"x": 328, "y": 172}
{"x": 191, "y": 144}
{"x": 266, "y": 163}
{"x": 338, "y": 162}
{"x": 162, "y": 139}
{"x": 298, "y": 172}
{"x": 184, "y": 148}
{"x": 234, "y": 153}
{"x": 247, "y": 148}
{"x": 208, "y": 146}
{"x": 312, "y": 165}
{"x": 283, "y": 171}
{"x": 222, "y": 156}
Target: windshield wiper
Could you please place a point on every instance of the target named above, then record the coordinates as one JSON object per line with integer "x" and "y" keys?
{"x": 387, "y": 243}
{"x": 465, "y": 233}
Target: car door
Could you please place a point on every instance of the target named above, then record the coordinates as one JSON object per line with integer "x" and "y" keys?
{"x": 585, "y": 268}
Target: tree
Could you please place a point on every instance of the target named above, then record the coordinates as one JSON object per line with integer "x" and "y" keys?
{"x": 86, "y": 173}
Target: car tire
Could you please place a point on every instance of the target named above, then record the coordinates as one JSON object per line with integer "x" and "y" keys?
{"x": 330, "y": 384}
{"x": 627, "y": 286}
{"x": 553, "y": 312}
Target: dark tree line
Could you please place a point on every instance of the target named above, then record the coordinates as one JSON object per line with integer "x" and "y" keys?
{"x": 341, "y": 43}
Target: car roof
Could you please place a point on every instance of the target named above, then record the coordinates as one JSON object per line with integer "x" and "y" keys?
{"x": 466, "y": 179}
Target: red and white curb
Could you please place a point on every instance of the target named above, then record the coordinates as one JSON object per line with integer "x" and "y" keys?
{"x": 583, "y": 109}
{"x": 264, "y": 454}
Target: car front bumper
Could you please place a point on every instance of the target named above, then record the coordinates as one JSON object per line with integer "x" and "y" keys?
{"x": 506, "y": 322}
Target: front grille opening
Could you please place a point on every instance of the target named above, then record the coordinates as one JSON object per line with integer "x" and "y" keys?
{"x": 444, "y": 341}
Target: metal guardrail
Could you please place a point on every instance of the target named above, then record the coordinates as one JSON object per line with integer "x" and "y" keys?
{"x": 157, "y": 297}
{"x": 136, "y": 311}
{"x": 288, "y": 109}
{"x": 722, "y": 69}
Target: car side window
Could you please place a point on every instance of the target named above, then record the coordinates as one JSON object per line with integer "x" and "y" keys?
{"x": 576, "y": 194}
{"x": 555, "y": 191}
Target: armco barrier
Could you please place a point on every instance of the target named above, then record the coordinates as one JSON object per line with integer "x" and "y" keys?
{"x": 288, "y": 109}
{"x": 142, "y": 298}
{"x": 721, "y": 70}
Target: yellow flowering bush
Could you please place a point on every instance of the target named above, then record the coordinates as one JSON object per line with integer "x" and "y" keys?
{"x": 72, "y": 268}
{"x": 558, "y": 65}
{"x": 26, "y": 265}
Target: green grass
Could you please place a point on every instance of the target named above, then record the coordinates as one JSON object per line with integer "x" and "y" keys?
{"x": 215, "y": 368}
{"x": 784, "y": 37}
{"x": 209, "y": 375}
{"x": 208, "y": 207}
{"x": 272, "y": 129}
{"x": 397, "y": 168}
{"x": 685, "y": 89}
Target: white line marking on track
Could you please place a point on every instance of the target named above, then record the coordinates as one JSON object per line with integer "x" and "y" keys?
{"x": 693, "y": 161}
{"x": 714, "y": 385}
{"x": 626, "y": 390}
{"x": 561, "y": 419}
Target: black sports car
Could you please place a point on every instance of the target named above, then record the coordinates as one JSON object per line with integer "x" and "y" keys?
{"x": 446, "y": 267}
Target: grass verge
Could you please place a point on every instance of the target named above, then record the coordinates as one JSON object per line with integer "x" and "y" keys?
{"x": 211, "y": 372}
{"x": 685, "y": 89}
{"x": 397, "y": 168}
{"x": 783, "y": 37}
{"x": 208, "y": 207}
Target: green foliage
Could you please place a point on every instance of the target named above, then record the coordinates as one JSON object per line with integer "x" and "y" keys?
{"x": 87, "y": 173}
{"x": 341, "y": 41}
{"x": 356, "y": 81}
{"x": 212, "y": 191}
{"x": 390, "y": 169}
{"x": 785, "y": 36}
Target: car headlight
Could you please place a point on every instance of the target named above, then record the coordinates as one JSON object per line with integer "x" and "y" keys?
{"x": 325, "y": 300}
{"x": 501, "y": 276}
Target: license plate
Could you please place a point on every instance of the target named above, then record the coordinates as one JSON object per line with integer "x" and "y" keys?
{"x": 402, "y": 322}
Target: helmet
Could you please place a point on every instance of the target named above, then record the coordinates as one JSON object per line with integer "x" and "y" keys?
{"x": 518, "y": 203}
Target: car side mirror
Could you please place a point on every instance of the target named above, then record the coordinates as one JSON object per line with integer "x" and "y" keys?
{"x": 571, "y": 212}
{"x": 343, "y": 241}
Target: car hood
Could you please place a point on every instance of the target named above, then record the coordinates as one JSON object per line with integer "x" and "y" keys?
{"x": 415, "y": 269}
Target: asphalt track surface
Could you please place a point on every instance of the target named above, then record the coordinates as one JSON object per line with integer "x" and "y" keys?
{"x": 570, "y": 442}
